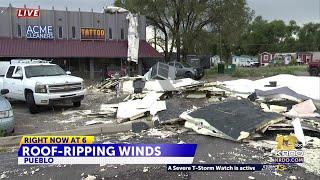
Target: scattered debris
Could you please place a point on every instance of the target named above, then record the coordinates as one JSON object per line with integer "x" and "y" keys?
{"x": 292, "y": 177}
{"x": 303, "y": 110}
{"x": 276, "y": 173}
{"x": 304, "y": 85}
{"x": 92, "y": 122}
{"x": 90, "y": 177}
{"x": 80, "y": 112}
{"x": 162, "y": 134}
{"x": 228, "y": 119}
{"x": 3, "y": 176}
{"x": 145, "y": 169}
{"x": 298, "y": 131}
{"x": 312, "y": 142}
{"x": 280, "y": 93}
{"x": 196, "y": 96}
{"x": 273, "y": 108}
{"x": 282, "y": 104}
{"x": 161, "y": 71}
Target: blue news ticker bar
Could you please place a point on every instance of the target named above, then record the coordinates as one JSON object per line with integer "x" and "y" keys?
{"x": 167, "y": 150}
{"x": 215, "y": 167}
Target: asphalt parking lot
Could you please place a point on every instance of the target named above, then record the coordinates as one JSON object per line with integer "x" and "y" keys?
{"x": 54, "y": 118}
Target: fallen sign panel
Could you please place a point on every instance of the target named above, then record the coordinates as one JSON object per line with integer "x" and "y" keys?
{"x": 234, "y": 120}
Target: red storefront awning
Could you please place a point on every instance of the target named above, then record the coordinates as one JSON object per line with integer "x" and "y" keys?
{"x": 26, "y": 48}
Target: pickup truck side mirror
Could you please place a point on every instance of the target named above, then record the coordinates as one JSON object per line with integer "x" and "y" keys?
{"x": 4, "y": 91}
{"x": 68, "y": 73}
{"x": 17, "y": 76}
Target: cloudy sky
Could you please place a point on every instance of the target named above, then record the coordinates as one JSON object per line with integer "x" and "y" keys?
{"x": 302, "y": 11}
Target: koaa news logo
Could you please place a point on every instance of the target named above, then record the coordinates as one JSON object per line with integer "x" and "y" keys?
{"x": 28, "y": 13}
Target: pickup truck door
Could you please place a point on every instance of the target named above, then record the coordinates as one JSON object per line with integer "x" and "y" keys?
{"x": 15, "y": 85}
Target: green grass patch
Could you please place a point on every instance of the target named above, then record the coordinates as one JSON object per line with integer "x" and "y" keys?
{"x": 2, "y": 132}
{"x": 242, "y": 72}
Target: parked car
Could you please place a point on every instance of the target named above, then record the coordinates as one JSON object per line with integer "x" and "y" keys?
{"x": 6, "y": 114}
{"x": 314, "y": 68}
{"x": 187, "y": 71}
{"x": 41, "y": 83}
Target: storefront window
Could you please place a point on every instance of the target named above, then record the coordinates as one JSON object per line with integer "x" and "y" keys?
{"x": 122, "y": 33}
{"x": 60, "y": 32}
{"x": 19, "y": 30}
{"x": 110, "y": 33}
{"x": 73, "y": 32}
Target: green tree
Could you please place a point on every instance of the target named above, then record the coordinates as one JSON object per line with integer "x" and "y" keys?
{"x": 309, "y": 37}
{"x": 189, "y": 25}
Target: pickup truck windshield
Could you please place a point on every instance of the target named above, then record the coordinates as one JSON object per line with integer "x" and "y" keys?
{"x": 44, "y": 70}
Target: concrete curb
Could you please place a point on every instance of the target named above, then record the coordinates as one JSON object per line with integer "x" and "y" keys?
{"x": 135, "y": 126}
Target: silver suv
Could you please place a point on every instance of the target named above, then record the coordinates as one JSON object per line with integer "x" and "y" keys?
{"x": 186, "y": 70}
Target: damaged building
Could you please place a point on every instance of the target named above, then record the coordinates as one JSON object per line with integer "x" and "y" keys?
{"x": 91, "y": 45}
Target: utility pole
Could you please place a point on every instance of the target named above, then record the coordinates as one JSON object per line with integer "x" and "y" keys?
{"x": 155, "y": 37}
{"x": 220, "y": 44}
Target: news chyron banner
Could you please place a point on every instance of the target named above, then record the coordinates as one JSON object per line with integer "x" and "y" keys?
{"x": 82, "y": 150}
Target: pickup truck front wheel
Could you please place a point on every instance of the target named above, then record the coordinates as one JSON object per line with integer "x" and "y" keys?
{"x": 77, "y": 104}
{"x": 33, "y": 108}
{"x": 314, "y": 71}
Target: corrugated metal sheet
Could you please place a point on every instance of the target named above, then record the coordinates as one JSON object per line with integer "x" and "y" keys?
{"x": 71, "y": 49}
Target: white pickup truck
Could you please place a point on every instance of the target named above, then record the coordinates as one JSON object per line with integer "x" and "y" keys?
{"x": 41, "y": 83}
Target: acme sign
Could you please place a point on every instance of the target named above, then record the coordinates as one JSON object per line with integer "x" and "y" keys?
{"x": 25, "y": 13}
{"x": 39, "y": 32}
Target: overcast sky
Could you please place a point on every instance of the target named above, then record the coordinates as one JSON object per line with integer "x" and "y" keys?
{"x": 302, "y": 11}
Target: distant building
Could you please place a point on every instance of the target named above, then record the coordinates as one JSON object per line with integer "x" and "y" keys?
{"x": 89, "y": 44}
{"x": 265, "y": 58}
{"x": 286, "y": 57}
{"x": 243, "y": 60}
{"x": 304, "y": 57}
